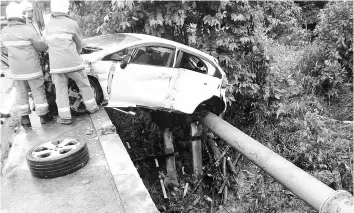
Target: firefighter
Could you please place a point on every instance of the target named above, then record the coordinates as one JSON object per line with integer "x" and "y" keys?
{"x": 22, "y": 43}
{"x": 63, "y": 37}
{"x": 28, "y": 10}
{"x": 32, "y": 22}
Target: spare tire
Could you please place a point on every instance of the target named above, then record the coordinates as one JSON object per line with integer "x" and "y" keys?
{"x": 57, "y": 157}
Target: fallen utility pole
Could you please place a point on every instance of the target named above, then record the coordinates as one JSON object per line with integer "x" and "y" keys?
{"x": 318, "y": 195}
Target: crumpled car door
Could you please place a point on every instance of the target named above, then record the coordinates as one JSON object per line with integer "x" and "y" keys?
{"x": 190, "y": 88}
{"x": 143, "y": 82}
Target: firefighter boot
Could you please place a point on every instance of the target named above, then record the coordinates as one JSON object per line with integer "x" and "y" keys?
{"x": 25, "y": 121}
{"x": 94, "y": 110}
{"x": 66, "y": 121}
{"x": 45, "y": 118}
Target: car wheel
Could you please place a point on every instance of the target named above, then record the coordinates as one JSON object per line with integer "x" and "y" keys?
{"x": 77, "y": 105}
{"x": 57, "y": 158}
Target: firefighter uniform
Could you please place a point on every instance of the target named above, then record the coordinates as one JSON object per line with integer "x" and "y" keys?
{"x": 22, "y": 43}
{"x": 63, "y": 37}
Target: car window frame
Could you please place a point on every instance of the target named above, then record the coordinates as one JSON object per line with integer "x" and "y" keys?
{"x": 104, "y": 58}
{"x": 4, "y": 64}
{"x": 157, "y": 44}
{"x": 168, "y": 65}
{"x": 217, "y": 73}
{"x": 192, "y": 63}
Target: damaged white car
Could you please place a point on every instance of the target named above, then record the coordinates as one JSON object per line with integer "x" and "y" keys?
{"x": 137, "y": 70}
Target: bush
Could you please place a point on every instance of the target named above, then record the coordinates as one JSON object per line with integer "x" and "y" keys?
{"x": 327, "y": 63}
{"x": 342, "y": 107}
{"x": 335, "y": 34}
{"x": 319, "y": 73}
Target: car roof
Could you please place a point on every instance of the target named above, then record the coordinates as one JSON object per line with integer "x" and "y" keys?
{"x": 106, "y": 42}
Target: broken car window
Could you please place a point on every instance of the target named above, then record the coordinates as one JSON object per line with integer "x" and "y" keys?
{"x": 153, "y": 55}
{"x": 88, "y": 49}
{"x": 193, "y": 63}
{"x": 117, "y": 56}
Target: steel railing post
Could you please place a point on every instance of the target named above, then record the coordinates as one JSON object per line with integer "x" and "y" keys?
{"x": 196, "y": 132}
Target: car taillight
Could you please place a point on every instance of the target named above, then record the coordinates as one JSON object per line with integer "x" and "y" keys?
{"x": 224, "y": 82}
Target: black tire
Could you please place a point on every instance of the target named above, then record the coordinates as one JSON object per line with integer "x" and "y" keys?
{"x": 48, "y": 83}
{"x": 97, "y": 93}
{"x": 51, "y": 97}
{"x": 169, "y": 120}
{"x": 51, "y": 167}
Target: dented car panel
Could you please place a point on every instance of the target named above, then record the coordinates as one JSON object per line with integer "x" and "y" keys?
{"x": 140, "y": 85}
{"x": 191, "y": 89}
{"x": 101, "y": 69}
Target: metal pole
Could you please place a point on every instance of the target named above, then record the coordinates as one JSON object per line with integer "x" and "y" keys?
{"x": 196, "y": 132}
{"x": 170, "y": 160}
{"x": 318, "y": 195}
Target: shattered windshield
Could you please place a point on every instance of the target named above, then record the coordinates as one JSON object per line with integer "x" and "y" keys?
{"x": 89, "y": 49}
{"x": 107, "y": 41}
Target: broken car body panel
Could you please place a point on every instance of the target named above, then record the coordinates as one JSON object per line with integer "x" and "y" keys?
{"x": 191, "y": 89}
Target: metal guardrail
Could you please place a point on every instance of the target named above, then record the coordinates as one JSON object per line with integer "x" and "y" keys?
{"x": 315, "y": 193}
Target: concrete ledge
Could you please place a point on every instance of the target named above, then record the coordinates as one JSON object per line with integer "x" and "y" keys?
{"x": 132, "y": 191}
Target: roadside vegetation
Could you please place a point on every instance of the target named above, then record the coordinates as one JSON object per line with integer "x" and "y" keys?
{"x": 290, "y": 71}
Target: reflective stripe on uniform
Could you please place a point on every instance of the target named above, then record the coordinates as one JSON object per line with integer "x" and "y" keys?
{"x": 24, "y": 112}
{"x": 64, "y": 109}
{"x": 90, "y": 104}
{"x": 64, "y": 112}
{"x": 17, "y": 43}
{"x": 41, "y": 105}
{"x": 90, "y": 101}
{"x": 68, "y": 69}
{"x": 54, "y": 36}
{"x": 26, "y": 76}
{"x": 41, "y": 109}
{"x": 23, "y": 106}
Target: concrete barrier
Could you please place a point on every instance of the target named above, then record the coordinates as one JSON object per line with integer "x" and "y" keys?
{"x": 132, "y": 191}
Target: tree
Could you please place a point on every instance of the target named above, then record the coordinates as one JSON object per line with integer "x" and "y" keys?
{"x": 335, "y": 33}
{"x": 309, "y": 13}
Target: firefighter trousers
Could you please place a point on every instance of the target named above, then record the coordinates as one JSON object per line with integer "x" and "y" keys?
{"x": 62, "y": 97}
{"x": 38, "y": 92}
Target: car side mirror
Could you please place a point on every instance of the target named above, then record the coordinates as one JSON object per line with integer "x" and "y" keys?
{"x": 125, "y": 62}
